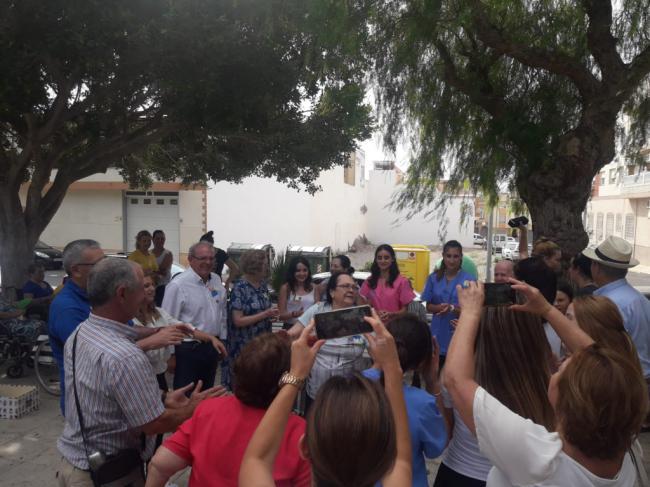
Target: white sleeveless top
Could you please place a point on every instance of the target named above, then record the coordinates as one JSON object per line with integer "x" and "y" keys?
{"x": 164, "y": 280}
{"x": 295, "y": 303}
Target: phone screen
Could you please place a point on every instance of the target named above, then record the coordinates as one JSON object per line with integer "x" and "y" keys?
{"x": 499, "y": 294}
{"x": 342, "y": 322}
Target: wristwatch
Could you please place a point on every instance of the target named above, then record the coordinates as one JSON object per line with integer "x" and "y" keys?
{"x": 288, "y": 378}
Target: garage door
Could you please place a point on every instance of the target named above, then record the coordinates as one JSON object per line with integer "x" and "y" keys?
{"x": 152, "y": 211}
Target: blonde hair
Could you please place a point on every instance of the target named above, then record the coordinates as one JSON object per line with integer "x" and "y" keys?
{"x": 253, "y": 261}
{"x": 602, "y": 402}
{"x": 600, "y": 318}
{"x": 544, "y": 247}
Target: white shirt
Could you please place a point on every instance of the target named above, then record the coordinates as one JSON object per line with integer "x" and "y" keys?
{"x": 525, "y": 453}
{"x": 203, "y": 304}
{"x": 159, "y": 357}
{"x": 462, "y": 454}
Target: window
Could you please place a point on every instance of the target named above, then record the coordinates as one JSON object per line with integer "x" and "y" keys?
{"x": 619, "y": 223}
{"x": 173, "y": 202}
{"x": 590, "y": 223}
{"x": 502, "y": 218}
{"x": 599, "y": 227}
{"x": 349, "y": 173}
{"x": 612, "y": 176}
{"x": 160, "y": 202}
{"x": 603, "y": 182}
{"x": 609, "y": 224}
{"x": 134, "y": 201}
{"x": 146, "y": 201}
{"x": 629, "y": 227}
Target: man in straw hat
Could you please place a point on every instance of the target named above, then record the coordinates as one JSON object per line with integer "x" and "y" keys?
{"x": 610, "y": 262}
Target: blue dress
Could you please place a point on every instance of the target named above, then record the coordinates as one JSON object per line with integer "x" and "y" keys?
{"x": 426, "y": 425}
{"x": 440, "y": 291}
{"x": 249, "y": 300}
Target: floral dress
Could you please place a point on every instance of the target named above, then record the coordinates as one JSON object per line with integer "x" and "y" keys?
{"x": 25, "y": 329}
{"x": 249, "y": 300}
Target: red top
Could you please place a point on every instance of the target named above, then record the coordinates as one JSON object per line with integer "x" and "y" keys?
{"x": 214, "y": 439}
{"x": 387, "y": 298}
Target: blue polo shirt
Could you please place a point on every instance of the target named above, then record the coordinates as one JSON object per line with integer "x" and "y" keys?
{"x": 426, "y": 425}
{"x": 635, "y": 310}
{"x": 69, "y": 308}
{"x": 438, "y": 292}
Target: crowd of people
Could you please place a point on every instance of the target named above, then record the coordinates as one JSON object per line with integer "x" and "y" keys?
{"x": 549, "y": 391}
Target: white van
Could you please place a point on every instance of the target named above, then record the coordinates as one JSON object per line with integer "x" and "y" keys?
{"x": 499, "y": 241}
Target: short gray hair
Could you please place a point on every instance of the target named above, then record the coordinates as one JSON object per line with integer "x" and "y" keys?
{"x": 72, "y": 252}
{"x": 106, "y": 276}
{"x": 202, "y": 243}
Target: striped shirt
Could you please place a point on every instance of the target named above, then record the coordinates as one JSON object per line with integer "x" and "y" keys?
{"x": 338, "y": 356}
{"x": 117, "y": 388}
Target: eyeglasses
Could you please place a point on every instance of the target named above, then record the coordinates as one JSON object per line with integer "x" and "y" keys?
{"x": 348, "y": 287}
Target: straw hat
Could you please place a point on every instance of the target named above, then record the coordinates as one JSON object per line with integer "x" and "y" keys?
{"x": 613, "y": 252}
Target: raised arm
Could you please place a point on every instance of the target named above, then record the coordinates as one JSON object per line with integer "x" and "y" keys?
{"x": 523, "y": 242}
{"x": 384, "y": 352}
{"x": 571, "y": 334}
{"x": 459, "y": 367}
{"x": 257, "y": 465}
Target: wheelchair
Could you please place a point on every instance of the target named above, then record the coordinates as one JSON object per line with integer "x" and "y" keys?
{"x": 19, "y": 353}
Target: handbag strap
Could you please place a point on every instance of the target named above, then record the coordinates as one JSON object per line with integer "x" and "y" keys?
{"x": 76, "y": 396}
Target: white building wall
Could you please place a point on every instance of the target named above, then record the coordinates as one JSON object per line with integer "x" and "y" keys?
{"x": 386, "y": 225}
{"x": 88, "y": 214}
{"x": 262, "y": 210}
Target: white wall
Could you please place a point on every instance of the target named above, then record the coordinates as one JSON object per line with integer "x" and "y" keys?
{"x": 264, "y": 211}
{"x": 261, "y": 210}
{"x": 434, "y": 229}
{"x": 87, "y": 214}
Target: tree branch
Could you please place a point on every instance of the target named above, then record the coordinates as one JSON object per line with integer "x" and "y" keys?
{"x": 494, "y": 105}
{"x": 639, "y": 68}
{"x": 600, "y": 40}
{"x": 552, "y": 61}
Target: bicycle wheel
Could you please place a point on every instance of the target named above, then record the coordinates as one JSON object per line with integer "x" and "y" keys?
{"x": 47, "y": 370}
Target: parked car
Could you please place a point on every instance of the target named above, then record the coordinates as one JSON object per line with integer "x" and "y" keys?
{"x": 479, "y": 240}
{"x": 510, "y": 251}
{"x": 499, "y": 240}
{"x": 48, "y": 256}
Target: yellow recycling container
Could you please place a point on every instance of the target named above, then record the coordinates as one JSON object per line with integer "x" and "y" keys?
{"x": 413, "y": 262}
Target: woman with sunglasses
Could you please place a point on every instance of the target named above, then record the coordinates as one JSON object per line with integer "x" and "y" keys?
{"x": 386, "y": 289}
{"x": 338, "y": 356}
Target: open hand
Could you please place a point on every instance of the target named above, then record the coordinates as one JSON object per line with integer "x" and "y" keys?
{"x": 535, "y": 301}
{"x": 382, "y": 345}
{"x": 303, "y": 353}
{"x": 178, "y": 398}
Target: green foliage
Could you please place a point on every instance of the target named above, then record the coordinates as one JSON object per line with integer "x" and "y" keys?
{"x": 493, "y": 91}
{"x": 279, "y": 268}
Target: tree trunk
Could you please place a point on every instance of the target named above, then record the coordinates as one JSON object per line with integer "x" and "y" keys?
{"x": 17, "y": 241}
{"x": 556, "y": 204}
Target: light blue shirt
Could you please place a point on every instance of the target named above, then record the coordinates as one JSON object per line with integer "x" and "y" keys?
{"x": 443, "y": 291}
{"x": 635, "y": 309}
{"x": 426, "y": 425}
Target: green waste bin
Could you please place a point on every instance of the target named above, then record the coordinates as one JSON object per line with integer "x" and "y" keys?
{"x": 319, "y": 258}
{"x": 236, "y": 250}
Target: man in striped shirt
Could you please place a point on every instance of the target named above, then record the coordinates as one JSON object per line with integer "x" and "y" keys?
{"x": 118, "y": 393}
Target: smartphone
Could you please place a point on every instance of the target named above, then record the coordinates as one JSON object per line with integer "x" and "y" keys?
{"x": 342, "y": 322}
{"x": 499, "y": 294}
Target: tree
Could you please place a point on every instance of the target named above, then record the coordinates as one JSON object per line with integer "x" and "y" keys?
{"x": 190, "y": 89}
{"x": 530, "y": 92}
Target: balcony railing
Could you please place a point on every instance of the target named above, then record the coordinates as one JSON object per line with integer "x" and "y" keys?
{"x": 636, "y": 183}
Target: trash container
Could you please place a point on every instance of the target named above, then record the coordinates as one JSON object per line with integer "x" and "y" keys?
{"x": 413, "y": 262}
{"x": 319, "y": 258}
{"x": 468, "y": 266}
{"x": 236, "y": 250}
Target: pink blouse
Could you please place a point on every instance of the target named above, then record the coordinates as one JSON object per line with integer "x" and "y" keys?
{"x": 386, "y": 298}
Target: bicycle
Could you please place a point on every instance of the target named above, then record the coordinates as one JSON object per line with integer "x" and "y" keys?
{"x": 45, "y": 366}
